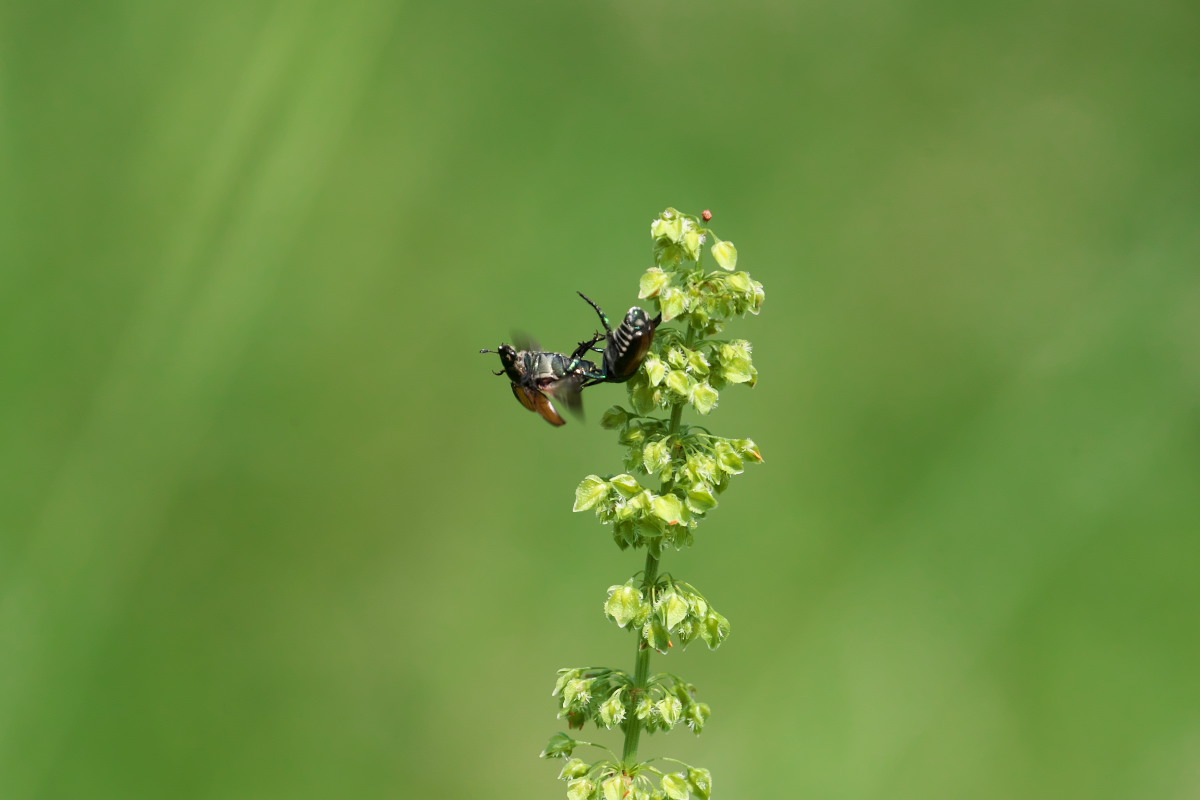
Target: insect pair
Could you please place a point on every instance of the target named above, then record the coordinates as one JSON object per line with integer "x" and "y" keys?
{"x": 539, "y": 378}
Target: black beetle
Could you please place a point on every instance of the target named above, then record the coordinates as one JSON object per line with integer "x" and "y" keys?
{"x": 538, "y": 378}
{"x": 626, "y": 346}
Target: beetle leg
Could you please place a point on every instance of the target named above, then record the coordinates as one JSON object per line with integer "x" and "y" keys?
{"x": 599, "y": 311}
{"x": 583, "y": 347}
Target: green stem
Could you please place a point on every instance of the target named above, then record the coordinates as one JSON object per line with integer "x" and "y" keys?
{"x": 641, "y": 671}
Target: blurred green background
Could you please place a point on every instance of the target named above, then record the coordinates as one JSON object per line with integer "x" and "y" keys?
{"x": 270, "y": 529}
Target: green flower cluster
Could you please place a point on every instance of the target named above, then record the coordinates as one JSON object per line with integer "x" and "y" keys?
{"x": 694, "y": 467}
{"x": 672, "y": 607}
{"x": 608, "y": 779}
{"x": 692, "y": 367}
{"x": 678, "y": 373}
{"x": 609, "y": 698}
{"x": 683, "y": 290}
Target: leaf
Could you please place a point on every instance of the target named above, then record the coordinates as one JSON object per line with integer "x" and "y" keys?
{"x": 741, "y": 282}
{"x": 574, "y": 768}
{"x": 725, "y": 254}
{"x": 673, "y": 608}
{"x": 655, "y": 634}
{"x": 644, "y": 707}
{"x": 669, "y": 708}
{"x": 691, "y": 244}
{"x": 564, "y": 675}
{"x": 624, "y": 604}
{"x": 614, "y": 418}
{"x": 667, "y": 508}
{"x": 704, "y": 397}
{"x": 667, "y": 227}
{"x": 624, "y": 533}
{"x": 616, "y": 786}
{"x": 677, "y": 382}
{"x": 739, "y": 371}
{"x": 757, "y": 304}
{"x": 643, "y": 501}
{"x": 672, "y": 302}
{"x": 667, "y": 254}
{"x": 700, "y": 497}
{"x": 580, "y": 789}
{"x": 579, "y": 690}
{"x": 656, "y": 455}
{"x": 612, "y": 710}
{"x": 701, "y": 781}
{"x": 656, "y": 370}
{"x": 714, "y": 630}
{"x": 590, "y": 492}
{"x": 642, "y": 397}
{"x": 747, "y": 447}
{"x": 675, "y": 786}
{"x": 728, "y": 459}
{"x": 653, "y": 281}
{"x": 559, "y": 746}
{"x": 626, "y": 484}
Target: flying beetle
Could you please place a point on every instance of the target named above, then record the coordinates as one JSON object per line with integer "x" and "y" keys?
{"x": 626, "y": 346}
{"x": 539, "y": 378}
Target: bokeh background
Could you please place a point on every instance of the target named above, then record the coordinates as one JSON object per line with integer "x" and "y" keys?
{"x": 269, "y": 528}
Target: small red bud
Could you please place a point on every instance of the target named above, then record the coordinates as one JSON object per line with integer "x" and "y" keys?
{"x": 706, "y": 214}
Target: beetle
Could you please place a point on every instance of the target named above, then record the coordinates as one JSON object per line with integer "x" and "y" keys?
{"x": 626, "y": 346}
{"x": 539, "y": 378}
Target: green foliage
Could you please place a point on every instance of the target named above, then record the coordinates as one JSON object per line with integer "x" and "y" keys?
{"x": 668, "y": 608}
{"x": 686, "y": 366}
{"x": 608, "y": 779}
{"x": 693, "y": 467}
{"x": 608, "y": 698}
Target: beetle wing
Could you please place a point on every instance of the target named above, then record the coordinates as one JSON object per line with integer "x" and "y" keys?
{"x": 548, "y": 412}
{"x": 524, "y": 396}
{"x": 524, "y": 341}
{"x": 568, "y": 391}
{"x": 536, "y": 401}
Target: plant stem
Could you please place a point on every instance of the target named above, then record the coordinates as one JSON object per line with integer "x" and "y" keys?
{"x": 641, "y": 670}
